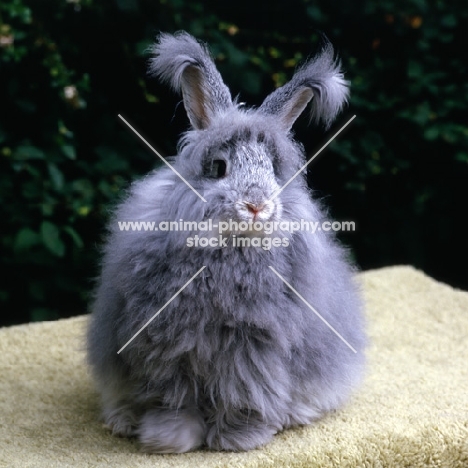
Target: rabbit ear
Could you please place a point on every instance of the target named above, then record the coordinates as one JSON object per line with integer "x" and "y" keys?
{"x": 186, "y": 65}
{"x": 320, "y": 79}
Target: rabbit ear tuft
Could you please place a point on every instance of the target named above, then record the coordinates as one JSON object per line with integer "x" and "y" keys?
{"x": 319, "y": 80}
{"x": 187, "y": 66}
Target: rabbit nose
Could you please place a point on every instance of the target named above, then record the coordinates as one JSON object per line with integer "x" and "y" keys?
{"x": 254, "y": 208}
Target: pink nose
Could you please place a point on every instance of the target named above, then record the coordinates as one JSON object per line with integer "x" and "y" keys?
{"x": 254, "y": 208}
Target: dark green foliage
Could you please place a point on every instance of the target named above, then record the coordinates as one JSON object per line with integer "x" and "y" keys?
{"x": 67, "y": 68}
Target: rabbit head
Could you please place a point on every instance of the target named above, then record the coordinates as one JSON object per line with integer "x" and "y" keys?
{"x": 240, "y": 158}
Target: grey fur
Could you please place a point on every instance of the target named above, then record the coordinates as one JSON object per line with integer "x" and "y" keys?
{"x": 323, "y": 77}
{"x": 236, "y": 357}
{"x": 183, "y": 62}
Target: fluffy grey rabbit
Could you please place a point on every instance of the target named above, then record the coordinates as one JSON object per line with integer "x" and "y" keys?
{"x": 237, "y": 355}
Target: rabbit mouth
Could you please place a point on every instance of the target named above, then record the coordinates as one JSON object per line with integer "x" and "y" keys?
{"x": 261, "y": 211}
{"x": 250, "y": 218}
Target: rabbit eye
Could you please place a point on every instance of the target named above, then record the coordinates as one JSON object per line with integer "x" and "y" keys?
{"x": 215, "y": 169}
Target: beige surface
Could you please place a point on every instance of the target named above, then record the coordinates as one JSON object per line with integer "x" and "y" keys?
{"x": 411, "y": 411}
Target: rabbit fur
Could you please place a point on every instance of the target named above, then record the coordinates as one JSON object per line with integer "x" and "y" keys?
{"x": 237, "y": 356}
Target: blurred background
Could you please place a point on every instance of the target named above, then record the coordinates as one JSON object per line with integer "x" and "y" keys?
{"x": 68, "y": 67}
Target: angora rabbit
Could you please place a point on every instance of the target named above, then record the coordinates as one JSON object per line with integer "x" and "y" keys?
{"x": 269, "y": 335}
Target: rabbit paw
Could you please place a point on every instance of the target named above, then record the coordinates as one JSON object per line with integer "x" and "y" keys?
{"x": 239, "y": 438}
{"x": 121, "y": 421}
{"x": 171, "y": 431}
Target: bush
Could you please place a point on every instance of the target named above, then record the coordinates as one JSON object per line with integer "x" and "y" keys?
{"x": 69, "y": 67}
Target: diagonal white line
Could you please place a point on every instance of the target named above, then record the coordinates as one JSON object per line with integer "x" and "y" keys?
{"x": 313, "y": 310}
{"x": 161, "y": 309}
{"x": 312, "y": 158}
{"x": 154, "y": 151}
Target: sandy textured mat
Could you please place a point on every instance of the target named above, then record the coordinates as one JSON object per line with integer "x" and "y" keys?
{"x": 411, "y": 411}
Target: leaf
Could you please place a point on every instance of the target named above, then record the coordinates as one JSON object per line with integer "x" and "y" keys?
{"x": 26, "y": 152}
{"x": 25, "y": 239}
{"x": 75, "y": 236}
{"x": 431, "y": 133}
{"x": 48, "y": 209}
{"x": 142, "y": 48}
{"x": 462, "y": 156}
{"x": 314, "y": 12}
{"x": 252, "y": 82}
{"x": 51, "y": 238}
{"x": 56, "y": 176}
{"x": 415, "y": 69}
{"x": 449, "y": 20}
{"x": 422, "y": 114}
{"x": 110, "y": 161}
{"x": 69, "y": 151}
